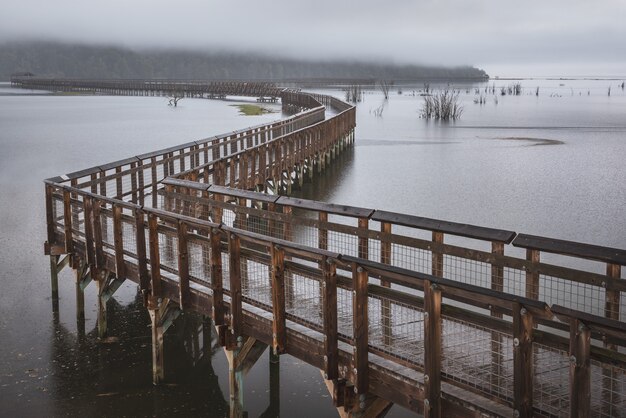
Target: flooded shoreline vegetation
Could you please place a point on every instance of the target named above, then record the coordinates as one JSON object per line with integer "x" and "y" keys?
{"x": 442, "y": 105}
{"x": 252, "y": 110}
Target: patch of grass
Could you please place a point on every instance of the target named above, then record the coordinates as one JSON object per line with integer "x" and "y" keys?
{"x": 252, "y": 110}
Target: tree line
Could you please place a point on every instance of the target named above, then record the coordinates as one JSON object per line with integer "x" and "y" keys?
{"x": 46, "y": 59}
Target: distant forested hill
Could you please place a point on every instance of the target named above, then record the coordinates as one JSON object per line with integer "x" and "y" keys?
{"x": 82, "y": 61}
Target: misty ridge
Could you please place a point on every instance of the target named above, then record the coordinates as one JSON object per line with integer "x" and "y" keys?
{"x": 52, "y": 59}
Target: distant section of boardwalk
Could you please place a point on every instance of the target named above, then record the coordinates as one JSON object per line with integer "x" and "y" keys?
{"x": 441, "y": 318}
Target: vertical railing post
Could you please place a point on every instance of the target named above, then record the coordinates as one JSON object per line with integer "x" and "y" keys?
{"x": 385, "y": 258}
{"x": 67, "y": 222}
{"x": 329, "y": 303}
{"x": 120, "y": 268}
{"x": 322, "y": 231}
{"x": 183, "y": 267}
{"x": 432, "y": 350}
{"x": 50, "y": 214}
{"x": 437, "y": 255}
{"x": 532, "y": 276}
{"x": 522, "y": 361}
{"x": 611, "y": 308}
{"x": 155, "y": 256}
{"x": 142, "y": 259}
{"x": 363, "y": 238}
{"x": 360, "y": 323}
{"x": 580, "y": 369}
{"x": 236, "y": 315}
{"x": 97, "y": 233}
{"x": 216, "y": 278}
{"x": 279, "y": 333}
{"x": 89, "y": 247}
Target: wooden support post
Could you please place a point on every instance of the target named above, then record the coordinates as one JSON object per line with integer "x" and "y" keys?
{"x": 279, "y": 328}
{"x": 102, "y": 306}
{"x": 437, "y": 255}
{"x": 236, "y": 315}
{"x": 329, "y": 303}
{"x": 580, "y": 369}
{"x": 432, "y": 350}
{"x": 158, "y": 348}
{"x": 183, "y": 267}
{"x": 532, "y": 277}
{"x": 522, "y": 361}
{"x": 80, "y": 295}
{"x": 360, "y": 323}
{"x": 54, "y": 282}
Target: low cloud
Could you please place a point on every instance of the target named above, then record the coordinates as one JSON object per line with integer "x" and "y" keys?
{"x": 450, "y": 32}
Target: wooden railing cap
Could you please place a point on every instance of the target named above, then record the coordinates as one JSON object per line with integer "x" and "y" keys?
{"x": 258, "y": 196}
{"x": 453, "y": 228}
{"x": 315, "y": 205}
{"x": 571, "y": 248}
{"x": 173, "y": 181}
{"x": 118, "y": 163}
{"x": 83, "y": 173}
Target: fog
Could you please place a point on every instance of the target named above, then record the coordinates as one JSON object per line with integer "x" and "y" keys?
{"x": 559, "y": 36}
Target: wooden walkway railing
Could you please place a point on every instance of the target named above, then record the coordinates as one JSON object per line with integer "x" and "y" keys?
{"x": 441, "y": 318}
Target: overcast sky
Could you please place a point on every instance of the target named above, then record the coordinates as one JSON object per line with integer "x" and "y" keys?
{"x": 529, "y": 37}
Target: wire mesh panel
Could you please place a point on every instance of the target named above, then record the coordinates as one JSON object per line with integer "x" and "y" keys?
{"x": 57, "y": 213}
{"x": 129, "y": 236}
{"x": 168, "y": 250}
{"x": 396, "y": 329}
{"x": 411, "y": 258}
{"x": 344, "y": 312}
{"x": 303, "y": 296}
{"x": 580, "y": 296}
{"x": 608, "y": 390}
{"x": 199, "y": 256}
{"x": 256, "y": 284}
{"x": 550, "y": 381}
{"x": 477, "y": 358}
{"x": 464, "y": 270}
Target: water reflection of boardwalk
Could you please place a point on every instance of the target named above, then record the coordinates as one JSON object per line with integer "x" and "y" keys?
{"x": 440, "y": 318}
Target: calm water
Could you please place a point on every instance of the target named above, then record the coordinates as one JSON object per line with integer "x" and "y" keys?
{"x": 493, "y": 167}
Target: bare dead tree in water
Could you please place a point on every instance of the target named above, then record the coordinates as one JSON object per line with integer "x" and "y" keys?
{"x": 443, "y": 105}
{"x": 175, "y": 98}
{"x": 353, "y": 93}
{"x": 385, "y": 85}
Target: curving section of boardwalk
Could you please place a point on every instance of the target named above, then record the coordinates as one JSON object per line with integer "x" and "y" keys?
{"x": 441, "y": 318}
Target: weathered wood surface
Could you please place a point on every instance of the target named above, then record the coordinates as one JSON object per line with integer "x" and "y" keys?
{"x": 474, "y": 333}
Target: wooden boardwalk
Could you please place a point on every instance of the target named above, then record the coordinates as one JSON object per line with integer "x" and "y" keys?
{"x": 440, "y": 318}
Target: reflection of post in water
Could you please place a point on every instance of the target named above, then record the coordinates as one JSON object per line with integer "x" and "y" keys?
{"x": 240, "y": 360}
{"x": 273, "y": 409}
